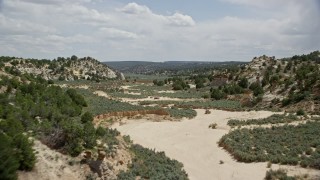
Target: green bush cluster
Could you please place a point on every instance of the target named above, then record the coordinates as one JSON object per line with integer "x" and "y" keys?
{"x": 108, "y": 136}
{"x": 158, "y": 83}
{"x": 149, "y": 164}
{"x": 217, "y": 94}
{"x": 256, "y": 88}
{"x": 180, "y": 113}
{"x": 225, "y": 90}
{"x": 243, "y": 82}
{"x": 179, "y": 84}
{"x": 151, "y": 91}
{"x": 218, "y": 104}
{"x": 286, "y": 144}
{"x": 199, "y": 80}
{"x": 100, "y": 105}
{"x": 273, "y": 119}
{"x": 50, "y": 112}
{"x": 15, "y": 152}
{"x": 295, "y": 97}
{"x": 279, "y": 174}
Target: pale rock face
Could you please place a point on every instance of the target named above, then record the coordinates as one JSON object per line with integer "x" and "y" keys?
{"x": 122, "y": 77}
{"x": 85, "y": 68}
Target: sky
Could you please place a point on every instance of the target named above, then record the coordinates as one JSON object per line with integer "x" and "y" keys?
{"x": 162, "y": 30}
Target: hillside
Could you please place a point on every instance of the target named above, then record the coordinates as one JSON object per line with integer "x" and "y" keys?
{"x": 288, "y": 83}
{"x": 47, "y": 131}
{"x": 61, "y": 68}
{"x": 69, "y": 122}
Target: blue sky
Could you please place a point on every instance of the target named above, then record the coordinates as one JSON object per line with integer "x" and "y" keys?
{"x": 149, "y": 30}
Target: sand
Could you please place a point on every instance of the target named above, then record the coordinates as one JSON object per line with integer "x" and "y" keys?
{"x": 101, "y": 93}
{"x": 51, "y": 165}
{"x": 158, "y": 98}
{"x": 168, "y": 91}
{"x": 82, "y": 87}
{"x": 195, "y": 145}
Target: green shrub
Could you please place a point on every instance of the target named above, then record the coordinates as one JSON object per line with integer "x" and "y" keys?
{"x": 217, "y": 94}
{"x": 243, "y": 82}
{"x": 86, "y": 117}
{"x": 8, "y": 160}
{"x": 300, "y": 112}
{"x": 180, "y": 113}
{"x": 273, "y": 119}
{"x": 78, "y": 99}
{"x": 279, "y": 174}
{"x": 148, "y": 164}
{"x": 127, "y": 139}
{"x": 25, "y": 153}
{"x": 89, "y": 135}
{"x": 256, "y": 88}
{"x": 100, "y": 131}
{"x": 179, "y": 84}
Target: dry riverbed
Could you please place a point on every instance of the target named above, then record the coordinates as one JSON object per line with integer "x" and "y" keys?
{"x": 195, "y": 145}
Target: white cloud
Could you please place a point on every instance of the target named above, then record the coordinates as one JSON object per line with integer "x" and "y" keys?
{"x": 177, "y": 19}
{"x": 117, "y": 34}
{"x": 16, "y": 26}
{"x": 63, "y": 14}
{"x": 55, "y": 2}
{"x": 262, "y": 3}
{"x": 51, "y": 28}
{"x": 134, "y": 8}
{"x": 181, "y": 20}
{"x": 83, "y": 14}
{"x": 63, "y": 40}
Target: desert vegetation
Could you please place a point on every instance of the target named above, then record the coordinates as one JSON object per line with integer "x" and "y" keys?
{"x": 280, "y": 174}
{"x": 98, "y": 105}
{"x": 218, "y": 104}
{"x": 287, "y": 144}
{"x": 61, "y": 118}
{"x": 274, "y": 119}
{"x": 149, "y": 164}
{"x": 37, "y": 103}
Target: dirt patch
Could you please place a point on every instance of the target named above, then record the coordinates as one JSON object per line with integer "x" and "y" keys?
{"x": 133, "y": 93}
{"x": 54, "y": 166}
{"x": 159, "y": 112}
{"x": 125, "y": 87}
{"x": 155, "y": 98}
{"x": 101, "y": 93}
{"x": 82, "y": 87}
{"x": 171, "y": 91}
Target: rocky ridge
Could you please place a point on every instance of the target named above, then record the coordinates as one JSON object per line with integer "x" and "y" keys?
{"x": 63, "y": 68}
{"x": 288, "y": 83}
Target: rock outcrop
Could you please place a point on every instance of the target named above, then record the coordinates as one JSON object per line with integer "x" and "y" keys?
{"x": 65, "y": 68}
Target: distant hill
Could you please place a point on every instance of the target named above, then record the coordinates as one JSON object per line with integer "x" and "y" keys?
{"x": 61, "y": 68}
{"x": 145, "y": 67}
